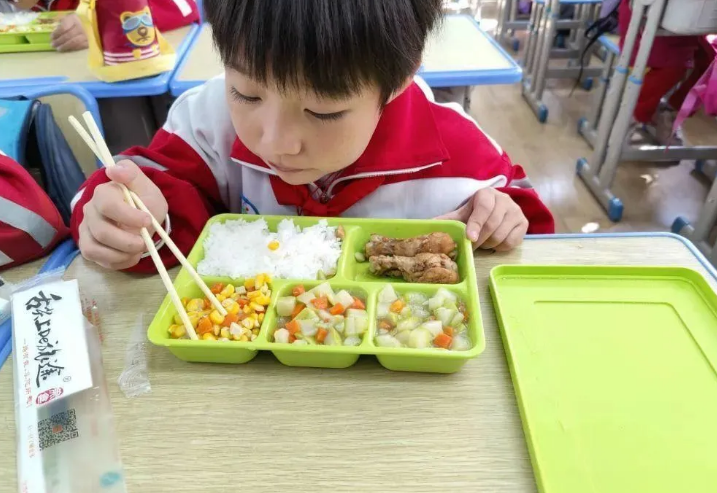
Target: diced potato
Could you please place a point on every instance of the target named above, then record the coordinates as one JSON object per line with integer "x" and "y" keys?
{"x": 281, "y": 336}
{"x": 433, "y": 326}
{"x": 461, "y": 343}
{"x": 345, "y": 298}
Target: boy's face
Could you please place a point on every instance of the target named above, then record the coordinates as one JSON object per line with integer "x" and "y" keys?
{"x": 301, "y": 136}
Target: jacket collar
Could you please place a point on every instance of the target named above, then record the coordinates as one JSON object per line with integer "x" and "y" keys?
{"x": 406, "y": 140}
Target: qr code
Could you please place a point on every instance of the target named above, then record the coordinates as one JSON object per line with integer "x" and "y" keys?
{"x": 57, "y": 429}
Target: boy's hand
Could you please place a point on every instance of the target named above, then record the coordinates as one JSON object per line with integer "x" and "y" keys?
{"x": 493, "y": 220}
{"x": 69, "y": 34}
{"x": 110, "y": 229}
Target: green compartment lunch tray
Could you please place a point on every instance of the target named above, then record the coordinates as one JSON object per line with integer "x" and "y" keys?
{"x": 351, "y": 275}
{"x": 34, "y": 36}
{"x": 615, "y": 371}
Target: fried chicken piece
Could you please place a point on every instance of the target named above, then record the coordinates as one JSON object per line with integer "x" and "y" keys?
{"x": 410, "y": 247}
{"x": 433, "y": 268}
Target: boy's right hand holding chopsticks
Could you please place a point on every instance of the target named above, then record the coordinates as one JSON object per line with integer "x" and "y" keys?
{"x": 110, "y": 230}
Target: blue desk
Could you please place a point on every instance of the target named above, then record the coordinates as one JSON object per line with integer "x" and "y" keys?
{"x": 18, "y": 71}
{"x": 460, "y": 53}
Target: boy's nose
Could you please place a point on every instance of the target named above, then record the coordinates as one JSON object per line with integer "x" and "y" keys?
{"x": 279, "y": 140}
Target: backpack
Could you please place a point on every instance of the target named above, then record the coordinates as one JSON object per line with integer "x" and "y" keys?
{"x": 33, "y": 155}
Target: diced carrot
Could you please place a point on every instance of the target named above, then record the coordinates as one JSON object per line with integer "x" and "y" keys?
{"x": 293, "y": 327}
{"x": 298, "y": 290}
{"x": 243, "y": 302}
{"x": 337, "y": 309}
{"x": 321, "y": 303}
{"x": 297, "y": 310}
{"x": 204, "y": 326}
{"x": 207, "y": 303}
{"x": 229, "y": 319}
{"x": 217, "y": 288}
{"x": 358, "y": 304}
{"x": 443, "y": 340}
{"x": 384, "y": 325}
{"x": 321, "y": 335}
{"x": 292, "y": 338}
{"x": 397, "y": 306}
{"x": 448, "y": 331}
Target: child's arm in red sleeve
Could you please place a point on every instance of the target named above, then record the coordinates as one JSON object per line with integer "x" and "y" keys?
{"x": 187, "y": 161}
{"x": 540, "y": 220}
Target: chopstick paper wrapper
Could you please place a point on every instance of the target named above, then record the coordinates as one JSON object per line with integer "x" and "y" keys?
{"x": 66, "y": 441}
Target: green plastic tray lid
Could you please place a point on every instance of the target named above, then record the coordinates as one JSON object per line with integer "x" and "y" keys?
{"x": 616, "y": 376}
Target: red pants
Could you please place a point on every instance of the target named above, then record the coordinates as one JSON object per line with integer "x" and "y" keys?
{"x": 658, "y": 82}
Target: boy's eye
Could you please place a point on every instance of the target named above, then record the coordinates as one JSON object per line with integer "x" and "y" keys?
{"x": 326, "y": 116}
{"x": 244, "y": 99}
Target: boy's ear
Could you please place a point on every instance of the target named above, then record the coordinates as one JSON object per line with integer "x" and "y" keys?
{"x": 399, "y": 91}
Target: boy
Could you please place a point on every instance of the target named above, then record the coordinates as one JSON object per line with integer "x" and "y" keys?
{"x": 318, "y": 114}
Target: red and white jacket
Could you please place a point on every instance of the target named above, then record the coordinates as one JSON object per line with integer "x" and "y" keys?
{"x": 424, "y": 159}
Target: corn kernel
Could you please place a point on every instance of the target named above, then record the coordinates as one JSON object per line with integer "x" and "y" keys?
{"x": 267, "y": 278}
{"x": 244, "y": 339}
{"x": 241, "y": 290}
{"x": 253, "y": 295}
{"x": 261, "y": 317}
{"x": 195, "y": 305}
{"x": 217, "y": 330}
{"x": 249, "y": 284}
{"x": 255, "y": 332}
{"x": 228, "y": 290}
{"x": 263, "y": 300}
{"x": 253, "y": 336}
{"x": 247, "y": 309}
{"x": 231, "y": 306}
{"x": 209, "y": 337}
{"x": 260, "y": 278}
{"x": 216, "y": 317}
{"x": 225, "y": 333}
{"x": 220, "y": 297}
{"x": 264, "y": 289}
{"x": 247, "y": 323}
{"x": 194, "y": 318}
{"x": 273, "y": 245}
{"x": 185, "y": 301}
{"x": 224, "y": 339}
{"x": 256, "y": 306}
{"x": 257, "y": 324}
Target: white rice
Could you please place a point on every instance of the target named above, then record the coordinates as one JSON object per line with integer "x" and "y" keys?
{"x": 239, "y": 249}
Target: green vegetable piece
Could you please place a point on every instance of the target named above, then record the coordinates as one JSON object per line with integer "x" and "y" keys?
{"x": 285, "y": 306}
{"x": 333, "y": 338}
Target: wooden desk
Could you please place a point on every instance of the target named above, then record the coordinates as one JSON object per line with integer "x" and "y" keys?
{"x": 48, "y": 68}
{"x": 458, "y": 53}
{"x": 263, "y": 427}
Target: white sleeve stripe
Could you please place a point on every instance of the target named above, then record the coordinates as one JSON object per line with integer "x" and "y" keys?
{"x": 76, "y": 199}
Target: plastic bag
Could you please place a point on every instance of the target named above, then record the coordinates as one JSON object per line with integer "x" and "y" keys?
{"x": 134, "y": 379}
{"x": 66, "y": 441}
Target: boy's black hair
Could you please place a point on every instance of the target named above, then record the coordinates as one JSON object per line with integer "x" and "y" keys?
{"x": 335, "y": 47}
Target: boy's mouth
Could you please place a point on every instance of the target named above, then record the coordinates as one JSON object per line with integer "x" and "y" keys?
{"x": 283, "y": 169}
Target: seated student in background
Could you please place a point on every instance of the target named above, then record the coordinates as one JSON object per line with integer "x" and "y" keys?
{"x": 70, "y": 36}
{"x": 671, "y": 58}
{"x": 319, "y": 113}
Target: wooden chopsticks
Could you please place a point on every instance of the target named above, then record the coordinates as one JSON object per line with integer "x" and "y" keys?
{"x": 98, "y": 145}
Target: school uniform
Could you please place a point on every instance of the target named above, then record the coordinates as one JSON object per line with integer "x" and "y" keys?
{"x": 424, "y": 160}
